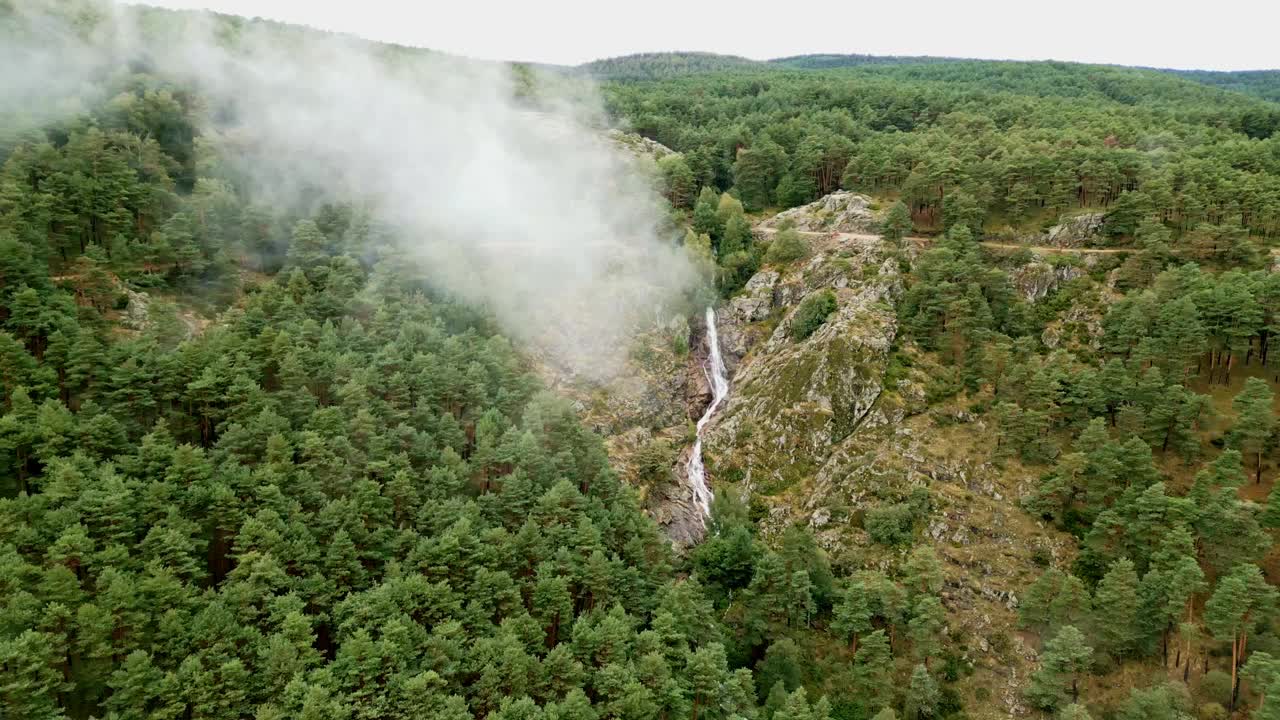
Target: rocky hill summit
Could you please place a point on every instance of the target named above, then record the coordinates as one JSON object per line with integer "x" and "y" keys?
{"x": 841, "y": 211}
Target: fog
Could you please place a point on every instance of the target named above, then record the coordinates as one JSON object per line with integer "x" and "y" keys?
{"x": 531, "y": 214}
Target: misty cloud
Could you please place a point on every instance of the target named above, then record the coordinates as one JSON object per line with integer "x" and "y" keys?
{"x": 532, "y": 214}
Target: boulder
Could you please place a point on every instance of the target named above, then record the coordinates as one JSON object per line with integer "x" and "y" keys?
{"x": 841, "y": 211}
{"x": 1075, "y": 231}
{"x": 137, "y": 315}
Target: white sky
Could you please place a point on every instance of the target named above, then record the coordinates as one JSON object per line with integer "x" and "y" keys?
{"x": 1216, "y": 35}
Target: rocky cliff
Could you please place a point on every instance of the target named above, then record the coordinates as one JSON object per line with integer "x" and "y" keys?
{"x": 794, "y": 399}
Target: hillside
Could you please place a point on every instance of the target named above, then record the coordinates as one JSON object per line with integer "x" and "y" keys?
{"x": 832, "y": 61}
{"x": 971, "y": 400}
{"x": 1010, "y": 146}
{"x": 1262, "y": 83}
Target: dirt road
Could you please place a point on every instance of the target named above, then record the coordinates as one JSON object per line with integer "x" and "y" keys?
{"x": 924, "y": 241}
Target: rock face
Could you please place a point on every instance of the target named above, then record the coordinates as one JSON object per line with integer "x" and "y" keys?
{"x": 840, "y": 211}
{"x": 1037, "y": 279}
{"x": 676, "y": 510}
{"x": 137, "y": 311}
{"x": 653, "y": 402}
{"x": 1075, "y": 231}
{"x": 793, "y": 400}
{"x": 1079, "y": 328}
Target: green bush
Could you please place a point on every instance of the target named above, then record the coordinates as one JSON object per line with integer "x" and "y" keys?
{"x": 812, "y": 314}
{"x": 1215, "y": 686}
{"x": 653, "y": 463}
{"x": 1213, "y": 711}
{"x": 787, "y": 246}
{"x": 890, "y": 524}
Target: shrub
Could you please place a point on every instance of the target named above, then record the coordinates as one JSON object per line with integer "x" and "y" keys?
{"x": 1215, "y": 686}
{"x": 787, "y": 246}
{"x": 812, "y": 314}
{"x": 654, "y": 461}
{"x": 1213, "y": 711}
{"x": 890, "y": 524}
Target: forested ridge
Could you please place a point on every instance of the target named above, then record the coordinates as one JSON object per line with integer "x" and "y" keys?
{"x": 1006, "y": 147}
{"x": 656, "y": 66}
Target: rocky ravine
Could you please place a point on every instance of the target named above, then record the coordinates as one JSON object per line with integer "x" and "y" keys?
{"x": 824, "y": 430}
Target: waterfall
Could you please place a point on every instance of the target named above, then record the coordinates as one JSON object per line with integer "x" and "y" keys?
{"x": 719, "y": 388}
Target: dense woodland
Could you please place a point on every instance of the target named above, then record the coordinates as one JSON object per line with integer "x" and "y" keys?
{"x": 1004, "y": 147}
{"x": 350, "y": 497}
{"x": 1146, "y": 441}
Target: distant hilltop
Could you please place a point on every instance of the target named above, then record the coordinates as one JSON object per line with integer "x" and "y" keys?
{"x": 654, "y": 66}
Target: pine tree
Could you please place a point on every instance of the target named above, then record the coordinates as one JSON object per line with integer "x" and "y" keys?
{"x": 737, "y": 236}
{"x": 707, "y": 672}
{"x": 677, "y": 180}
{"x": 1181, "y": 335}
{"x": 925, "y": 627}
{"x": 851, "y": 616}
{"x": 1262, "y": 672}
{"x": 1061, "y": 662}
{"x": 31, "y": 681}
{"x": 1033, "y": 606}
{"x": 922, "y": 694}
{"x": 1240, "y": 599}
{"x": 897, "y": 223}
{"x": 1115, "y": 607}
{"x": 922, "y": 573}
{"x": 872, "y": 668}
{"x": 308, "y": 247}
{"x": 705, "y": 220}
{"x": 1270, "y": 517}
{"x": 1169, "y": 588}
{"x": 756, "y": 172}
{"x": 1255, "y": 421}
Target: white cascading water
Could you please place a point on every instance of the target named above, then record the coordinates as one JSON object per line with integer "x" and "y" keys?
{"x": 716, "y": 375}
